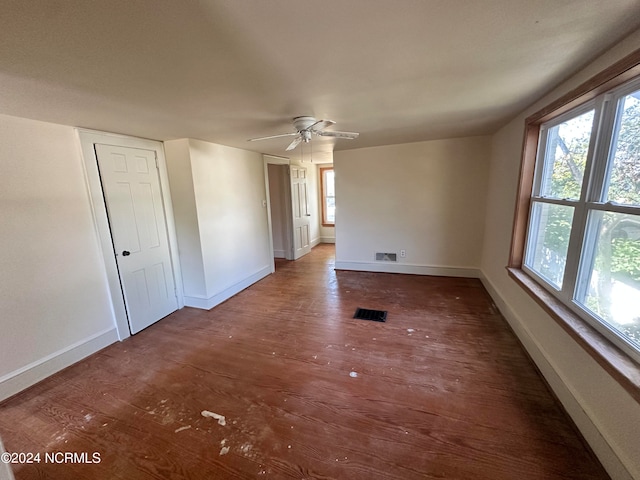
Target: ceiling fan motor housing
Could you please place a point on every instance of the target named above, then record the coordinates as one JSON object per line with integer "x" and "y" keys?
{"x": 302, "y": 123}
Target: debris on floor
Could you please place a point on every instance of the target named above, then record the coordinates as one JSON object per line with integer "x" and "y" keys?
{"x": 215, "y": 416}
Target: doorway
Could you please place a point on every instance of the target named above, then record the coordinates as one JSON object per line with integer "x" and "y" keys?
{"x": 278, "y": 179}
{"x": 288, "y": 210}
{"x": 129, "y": 191}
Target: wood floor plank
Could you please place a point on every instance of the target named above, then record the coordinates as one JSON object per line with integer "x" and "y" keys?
{"x": 441, "y": 390}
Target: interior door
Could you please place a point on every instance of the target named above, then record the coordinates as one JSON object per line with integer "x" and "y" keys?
{"x": 301, "y": 215}
{"x": 133, "y": 198}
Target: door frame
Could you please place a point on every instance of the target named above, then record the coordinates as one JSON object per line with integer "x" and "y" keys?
{"x": 273, "y": 160}
{"x": 87, "y": 139}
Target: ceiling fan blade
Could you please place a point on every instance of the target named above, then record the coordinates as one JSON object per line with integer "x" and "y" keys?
{"x": 321, "y": 125}
{"x": 294, "y": 144}
{"x": 273, "y": 136}
{"x": 348, "y": 135}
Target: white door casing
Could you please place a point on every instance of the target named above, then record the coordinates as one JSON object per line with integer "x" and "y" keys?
{"x": 133, "y": 198}
{"x": 301, "y": 215}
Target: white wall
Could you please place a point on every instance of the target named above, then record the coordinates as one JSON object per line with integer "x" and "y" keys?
{"x": 605, "y": 413}
{"x": 426, "y": 198}
{"x": 313, "y": 184}
{"x": 186, "y": 216}
{"x": 54, "y": 303}
{"x": 227, "y": 190}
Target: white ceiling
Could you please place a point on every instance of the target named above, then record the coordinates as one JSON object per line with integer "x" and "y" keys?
{"x": 227, "y": 70}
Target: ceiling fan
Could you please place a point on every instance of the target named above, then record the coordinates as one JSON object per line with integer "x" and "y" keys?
{"x": 305, "y": 128}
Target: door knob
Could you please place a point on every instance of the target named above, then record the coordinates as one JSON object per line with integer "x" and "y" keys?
{"x": 126, "y": 253}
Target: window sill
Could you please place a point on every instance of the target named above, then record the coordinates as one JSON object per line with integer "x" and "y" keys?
{"x": 619, "y": 365}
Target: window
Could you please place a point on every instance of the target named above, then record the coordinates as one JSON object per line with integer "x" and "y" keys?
{"x": 576, "y": 239}
{"x": 328, "y": 197}
{"x": 583, "y": 240}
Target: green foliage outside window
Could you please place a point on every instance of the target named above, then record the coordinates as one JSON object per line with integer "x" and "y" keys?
{"x": 618, "y": 245}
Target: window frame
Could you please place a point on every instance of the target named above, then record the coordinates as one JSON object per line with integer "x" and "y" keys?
{"x": 621, "y": 363}
{"x": 323, "y": 193}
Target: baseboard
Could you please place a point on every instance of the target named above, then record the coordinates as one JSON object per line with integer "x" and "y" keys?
{"x": 587, "y": 426}
{"x": 279, "y": 254}
{"x": 315, "y": 241}
{"x": 412, "y": 269}
{"x": 327, "y": 239}
{"x": 33, "y": 373}
{"x": 207, "y": 303}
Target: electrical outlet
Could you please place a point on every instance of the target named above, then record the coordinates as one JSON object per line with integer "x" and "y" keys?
{"x": 403, "y": 253}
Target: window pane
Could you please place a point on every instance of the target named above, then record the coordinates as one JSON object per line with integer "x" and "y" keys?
{"x": 565, "y": 157}
{"x": 612, "y": 289}
{"x": 330, "y": 210}
{"x": 624, "y": 166}
{"x": 329, "y": 184}
{"x": 550, "y": 229}
{"x": 328, "y": 193}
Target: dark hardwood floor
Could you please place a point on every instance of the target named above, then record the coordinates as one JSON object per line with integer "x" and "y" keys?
{"x": 442, "y": 390}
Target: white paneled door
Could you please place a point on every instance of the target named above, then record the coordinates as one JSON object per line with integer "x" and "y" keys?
{"x": 133, "y": 197}
{"x": 301, "y": 216}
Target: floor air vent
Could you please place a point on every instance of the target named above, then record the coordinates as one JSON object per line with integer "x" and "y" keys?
{"x": 374, "y": 315}
{"x": 386, "y": 257}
